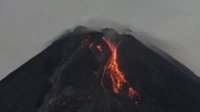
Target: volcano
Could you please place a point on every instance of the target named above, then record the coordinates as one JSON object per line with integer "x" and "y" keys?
{"x": 100, "y": 71}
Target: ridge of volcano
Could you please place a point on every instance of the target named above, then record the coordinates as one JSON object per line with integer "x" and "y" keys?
{"x": 100, "y": 71}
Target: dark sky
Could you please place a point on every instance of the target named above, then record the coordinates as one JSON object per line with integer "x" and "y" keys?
{"x": 26, "y": 26}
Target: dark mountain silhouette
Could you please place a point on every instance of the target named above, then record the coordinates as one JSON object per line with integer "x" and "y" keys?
{"x": 81, "y": 72}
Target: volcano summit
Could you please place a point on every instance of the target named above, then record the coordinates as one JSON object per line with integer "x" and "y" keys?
{"x": 100, "y": 71}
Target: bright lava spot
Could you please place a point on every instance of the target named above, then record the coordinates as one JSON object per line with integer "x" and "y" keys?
{"x": 131, "y": 92}
{"x": 99, "y": 48}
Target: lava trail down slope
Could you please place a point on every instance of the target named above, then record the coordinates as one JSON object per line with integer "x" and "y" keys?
{"x": 100, "y": 71}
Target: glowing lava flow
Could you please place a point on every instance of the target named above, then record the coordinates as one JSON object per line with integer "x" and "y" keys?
{"x": 117, "y": 77}
{"x": 112, "y": 68}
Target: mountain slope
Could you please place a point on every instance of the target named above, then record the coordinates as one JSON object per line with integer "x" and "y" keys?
{"x": 81, "y": 72}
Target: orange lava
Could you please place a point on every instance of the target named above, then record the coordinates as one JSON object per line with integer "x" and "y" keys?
{"x": 112, "y": 68}
{"x": 116, "y": 75}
